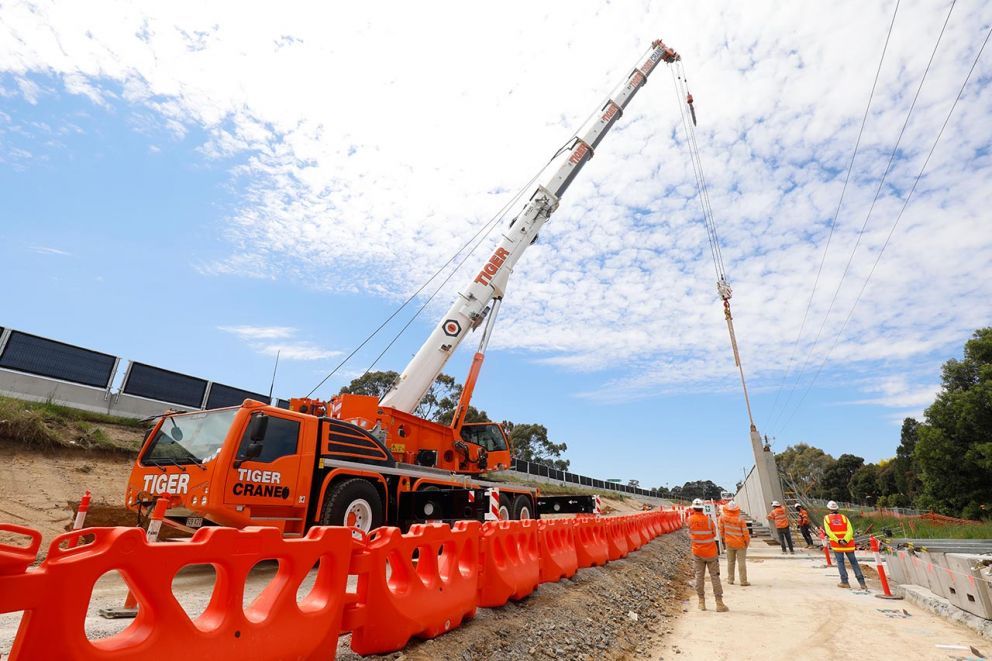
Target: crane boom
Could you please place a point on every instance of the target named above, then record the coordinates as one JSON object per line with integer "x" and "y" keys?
{"x": 472, "y": 304}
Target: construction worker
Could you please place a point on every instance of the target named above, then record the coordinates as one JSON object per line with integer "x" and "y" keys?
{"x": 705, "y": 555}
{"x": 840, "y": 532}
{"x": 735, "y": 536}
{"x": 781, "y": 519}
{"x": 802, "y": 521}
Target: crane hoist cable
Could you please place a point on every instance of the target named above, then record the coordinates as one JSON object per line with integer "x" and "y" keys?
{"x": 688, "y": 114}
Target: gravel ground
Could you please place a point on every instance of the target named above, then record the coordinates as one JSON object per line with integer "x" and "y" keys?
{"x": 621, "y": 611}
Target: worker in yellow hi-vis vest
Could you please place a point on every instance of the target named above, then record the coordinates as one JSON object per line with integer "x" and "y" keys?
{"x": 840, "y": 532}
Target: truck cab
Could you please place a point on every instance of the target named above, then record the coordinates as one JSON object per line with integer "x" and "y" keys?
{"x": 260, "y": 465}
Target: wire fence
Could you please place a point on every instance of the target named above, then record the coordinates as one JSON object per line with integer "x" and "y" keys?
{"x": 542, "y": 470}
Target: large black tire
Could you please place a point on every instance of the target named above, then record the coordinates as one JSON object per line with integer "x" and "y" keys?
{"x": 505, "y": 507}
{"x": 523, "y": 508}
{"x": 353, "y": 497}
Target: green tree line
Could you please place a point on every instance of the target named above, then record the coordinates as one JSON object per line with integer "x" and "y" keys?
{"x": 529, "y": 441}
{"x": 942, "y": 464}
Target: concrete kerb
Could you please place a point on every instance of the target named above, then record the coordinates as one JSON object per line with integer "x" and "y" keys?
{"x": 930, "y": 602}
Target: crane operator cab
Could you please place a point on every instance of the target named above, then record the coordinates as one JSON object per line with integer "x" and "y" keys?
{"x": 491, "y": 451}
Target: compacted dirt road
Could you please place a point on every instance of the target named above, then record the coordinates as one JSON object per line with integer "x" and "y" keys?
{"x": 793, "y": 609}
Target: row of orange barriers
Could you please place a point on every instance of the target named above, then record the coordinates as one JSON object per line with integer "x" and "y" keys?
{"x": 419, "y": 584}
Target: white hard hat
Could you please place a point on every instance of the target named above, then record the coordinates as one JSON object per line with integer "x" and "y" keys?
{"x": 697, "y": 503}
{"x": 774, "y": 503}
{"x": 832, "y": 505}
{"x": 732, "y": 505}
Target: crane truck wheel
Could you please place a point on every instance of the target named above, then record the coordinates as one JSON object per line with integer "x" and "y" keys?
{"x": 522, "y": 508}
{"x": 355, "y": 503}
{"x": 505, "y": 506}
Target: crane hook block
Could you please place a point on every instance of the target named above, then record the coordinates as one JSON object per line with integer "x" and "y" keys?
{"x": 692, "y": 108}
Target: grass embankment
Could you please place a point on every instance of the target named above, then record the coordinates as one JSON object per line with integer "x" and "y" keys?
{"x": 47, "y": 426}
{"x": 912, "y": 527}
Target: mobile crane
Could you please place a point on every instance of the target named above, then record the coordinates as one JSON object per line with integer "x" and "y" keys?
{"x": 357, "y": 460}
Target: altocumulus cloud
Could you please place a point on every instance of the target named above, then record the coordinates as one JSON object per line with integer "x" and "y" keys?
{"x": 378, "y": 138}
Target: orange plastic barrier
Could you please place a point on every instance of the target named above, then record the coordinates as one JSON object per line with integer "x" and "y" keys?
{"x": 634, "y": 541}
{"x": 511, "y": 561}
{"x": 616, "y": 539}
{"x": 557, "y": 544}
{"x": 421, "y": 584}
{"x": 590, "y": 543}
{"x": 398, "y": 599}
{"x": 56, "y": 595}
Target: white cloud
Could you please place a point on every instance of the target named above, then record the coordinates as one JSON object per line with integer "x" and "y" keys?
{"x": 48, "y": 250}
{"x": 281, "y": 340}
{"x": 254, "y": 333}
{"x": 373, "y": 150}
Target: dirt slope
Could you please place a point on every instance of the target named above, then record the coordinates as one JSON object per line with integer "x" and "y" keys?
{"x": 40, "y": 489}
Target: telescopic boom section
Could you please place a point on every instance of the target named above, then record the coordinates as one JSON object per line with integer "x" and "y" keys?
{"x": 469, "y": 308}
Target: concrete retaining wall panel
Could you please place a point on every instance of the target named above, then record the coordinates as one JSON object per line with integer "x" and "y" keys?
{"x": 895, "y": 566}
{"x": 973, "y": 577}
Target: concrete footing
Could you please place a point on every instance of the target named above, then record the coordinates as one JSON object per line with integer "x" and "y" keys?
{"x": 939, "y": 606}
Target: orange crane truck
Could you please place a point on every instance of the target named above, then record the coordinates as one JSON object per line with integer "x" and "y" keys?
{"x": 357, "y": 460}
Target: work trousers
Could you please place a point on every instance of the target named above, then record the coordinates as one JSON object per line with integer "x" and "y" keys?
{"x": 713, "y": 565}
{"x": 839, "y": 555}
{"x": 740, "y": 557}
{"x": 808, "y": 537}
{"x": 785, "y": 537}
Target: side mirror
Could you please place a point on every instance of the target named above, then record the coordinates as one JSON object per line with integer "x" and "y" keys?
{"x": 257, "y": 427}
{"x": 254, "y": 450}
{"x": 256, "y": 434}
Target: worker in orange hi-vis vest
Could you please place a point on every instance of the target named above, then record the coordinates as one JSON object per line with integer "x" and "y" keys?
{"x": 781, "y": 519}
{"x": 705, "y": 555}
{"x": 802, "y": 520}
{"x": 840, "y": 532}
{"x": 735, "y": 536}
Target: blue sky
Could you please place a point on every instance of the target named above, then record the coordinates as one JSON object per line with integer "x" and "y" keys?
{"x": 197, "y": 190}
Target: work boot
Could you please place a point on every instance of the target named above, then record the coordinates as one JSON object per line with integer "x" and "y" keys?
{"x": 720, "y": 606}
{"x": 702, "y": 603}
{"x": 863, "y": 585}
{"x": 730, "y": 580}
{"x": 844, "y": 585}
{"x": 744, "y": 584}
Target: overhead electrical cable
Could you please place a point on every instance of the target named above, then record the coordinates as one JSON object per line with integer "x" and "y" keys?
{"x": 833, "y": 221}
{"x": 871, "y": 209}
{"x": 895, "y": 224}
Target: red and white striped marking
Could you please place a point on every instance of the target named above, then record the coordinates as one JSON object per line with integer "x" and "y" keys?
{"x": 84, "y": 507}
{"x": 599, "y": 504}
{"x": 493, "y": 513}
{"x": 155, "y": 523}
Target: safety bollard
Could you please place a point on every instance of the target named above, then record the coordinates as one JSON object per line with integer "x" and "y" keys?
{"x": 130, "y": 608}
{"x": 77, "y": 524}
{"x": 599, "y": 504}
{"x": 826, "y": 548}
{"x": 881, "y": 571}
